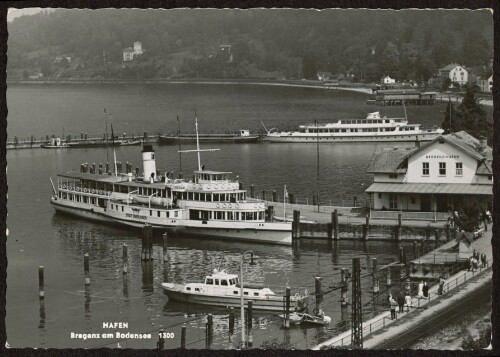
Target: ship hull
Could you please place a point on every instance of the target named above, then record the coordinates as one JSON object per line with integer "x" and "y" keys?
{"x": 350, "y": 139}
{"x": 219, "y": 139}
{"x": 271, "y": 304}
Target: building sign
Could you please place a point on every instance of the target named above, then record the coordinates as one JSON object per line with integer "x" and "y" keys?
{"x": 442, "y": 156}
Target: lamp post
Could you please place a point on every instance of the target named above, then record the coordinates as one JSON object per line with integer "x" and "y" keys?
{"x": 241, "y": 294}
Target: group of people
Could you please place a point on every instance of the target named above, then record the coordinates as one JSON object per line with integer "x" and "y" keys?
{"x": 474, "y": 259}
{"x": 423, "y": 290}
{"x": 401, "y": 302}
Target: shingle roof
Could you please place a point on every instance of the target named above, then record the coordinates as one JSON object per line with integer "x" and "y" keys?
{"x": 386, "y": 160}
{"x": 449, "y": 67}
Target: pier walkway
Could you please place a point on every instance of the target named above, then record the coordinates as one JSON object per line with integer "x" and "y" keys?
{"x": 310, "y": 212}
{"x": 381, "y": 328}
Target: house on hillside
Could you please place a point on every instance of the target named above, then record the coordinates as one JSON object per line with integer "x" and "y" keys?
{"x": 387, "y": 80}
{"x": 430, "y": 180}
{"x": 485, "y": 84}
{"x": 455, "y": 73}
{"x": 59, "y": 59}
{"x": 324, "y": 76}
{"x": 130, "y": 52}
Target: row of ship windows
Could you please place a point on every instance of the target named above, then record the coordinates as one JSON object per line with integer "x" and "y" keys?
{"x": 80, "y": 198}
{"x": 356, "y": 130}
{"x": 211, "y": 197}
{"x": 227, "y": 215}
{"x": 175, "y": 214}
{"x": 235, "y": 292}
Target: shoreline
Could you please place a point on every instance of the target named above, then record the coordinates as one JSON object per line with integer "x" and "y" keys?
{"x": 284, "y": 83}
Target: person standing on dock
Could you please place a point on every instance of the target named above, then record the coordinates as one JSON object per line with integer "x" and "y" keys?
{"x": 421, "y": 290}
{"x": 425, "y": 290}
{"x": 393, "y": 303}
{"x": 401, "y": 302}
{"x": 408, "y": 302}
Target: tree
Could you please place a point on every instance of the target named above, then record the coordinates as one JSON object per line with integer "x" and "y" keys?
{"x": 451, "y": 119}
{"x": 469, "y": 216}
{"x": 310, "y": 66}
{"x": 473, "y": 117}
{"x": 275, "y": 344}
{"x": 445, "y": 84}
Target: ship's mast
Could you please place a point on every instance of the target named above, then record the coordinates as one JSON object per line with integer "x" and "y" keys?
{"x": 197, "y": 144}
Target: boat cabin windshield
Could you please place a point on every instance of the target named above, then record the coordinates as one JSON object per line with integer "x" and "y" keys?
{"x": 211, "y": 176}
{"x": 221, "y": 281}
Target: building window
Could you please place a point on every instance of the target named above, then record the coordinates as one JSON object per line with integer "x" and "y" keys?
{"x": 393, "y": 201}
{"x": 412, "y": 200}
{"x": 459, "y": 171}
{"x": 442, "y": 169}
{"x": 379, "y": 195}
{"x": 425, "y": 169}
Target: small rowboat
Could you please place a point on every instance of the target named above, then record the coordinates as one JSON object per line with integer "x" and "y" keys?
{"x": 300, "y": 318}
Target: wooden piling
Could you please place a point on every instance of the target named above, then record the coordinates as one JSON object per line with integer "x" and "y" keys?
{"x": 397, "y": 233}
{"x": 318, "y": 293}
{"x": 275, "y": 196}
{"x": 264, "y": 195}
{"x": 249, "y": 315}
{"x": 400, "y": 219}
{"x": 209, "y": 331}
{"x": 401, "y": 252}
{"x": 165, "y": 247}
{"x": 41, "y": 283}
{"x": 286, "y": 320}
{"x": 100, "y": 168}
{"x": 86, "y": 268}
{"x": 355, "y": 201}
{"x": 335, "y": 224}
{"x": 125, "y": 259}
{"x": 365, "y": 232}
{"x": 183, "y": 337}
{"x": 270, "y": 213}
{"x": 376, "y": 288}
{"x": 344, "y": 286}
{"x": 296, "y": 225}
{"x": 252, "y": 191}
{"x": 231, "y": 320}
{"x": 147, "y": 243}
{"x": 107, "y": 167}
{"x": 250, "y": 339}
{"x": 161, "y": 340}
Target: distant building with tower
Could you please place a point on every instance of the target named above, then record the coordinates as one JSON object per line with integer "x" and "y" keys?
{"x": 130, "y": 52}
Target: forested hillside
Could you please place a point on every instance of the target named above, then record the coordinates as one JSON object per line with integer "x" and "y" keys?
{"x": 408, "y": 45}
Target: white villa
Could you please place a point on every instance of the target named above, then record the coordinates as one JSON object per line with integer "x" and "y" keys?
{"x": 388, "y": 80}
{"x": 429, "y": 180}
{"x": 455, "y": 72}
{"x": 129, "y": 52}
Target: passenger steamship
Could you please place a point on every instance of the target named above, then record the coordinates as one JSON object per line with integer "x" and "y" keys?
{"x": 373, "y": 128}
{"x": 210, "y": 205}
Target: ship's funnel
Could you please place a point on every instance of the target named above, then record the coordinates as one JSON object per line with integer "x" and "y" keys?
{"x": 148, "y": 163}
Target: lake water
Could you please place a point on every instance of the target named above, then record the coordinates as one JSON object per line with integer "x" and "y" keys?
{"x": 40, "y": 237}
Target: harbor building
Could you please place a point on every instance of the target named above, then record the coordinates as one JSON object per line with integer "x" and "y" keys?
{"x": 429, "y": 180}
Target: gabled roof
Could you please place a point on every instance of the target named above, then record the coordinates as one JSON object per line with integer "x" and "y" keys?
{"x": 461, "y": 140}
{"x": 388, "y": 160}
{"x": 450, "y": 67}
{"x": 128, "y": 49}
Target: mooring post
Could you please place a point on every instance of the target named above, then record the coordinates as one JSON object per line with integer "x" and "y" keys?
{"x": 365, "y": 231}
{"x": 165, "y": 247}
{"x": 318, "y": 292}
{"x": 400, "y": 219}
{"x": 100, "y": 168}
{"x": 270, "y": 210}
{"x": 344, "y": 287}
{"x": 231, "y": 320}
{"x": 183, "y": 337}
{"x": 125, "y": 258}
{"x": 41, "y": 283}
{"x": 86, "y": 268}
{"x": 107, "y": 167}
{"x": 401, "y": 250}
{"x": 286, "y": 321}
{"x": 376, "y": 288}
{"x": 355, "y": 202}
{"x": 264, "y": 195}
{"x": 397, "y": 233}
{"x": 249, "y": 316}
{"x": 150, "y": 242}
{"x": 209, "y": 331}
{"x": 252, "y": 191}
{"x": 275, "y": 196}
{"x": 296, "y": 225}
{"x": 161, "y": 340}
{"x": 250, "y": 339}
{"x": 335, "y": 224}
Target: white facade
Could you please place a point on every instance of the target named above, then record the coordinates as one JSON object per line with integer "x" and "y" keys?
{"x": 459, "y": 75}
{"x": 485, "y": 84}
{"x": 436, "y": 177}
{"x": 446, "y": 164}
{"x": 388, "y": 80}
{"x": 129, "y": 53}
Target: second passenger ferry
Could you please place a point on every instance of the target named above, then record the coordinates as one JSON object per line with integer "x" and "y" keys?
{"x": 373, "y": 128}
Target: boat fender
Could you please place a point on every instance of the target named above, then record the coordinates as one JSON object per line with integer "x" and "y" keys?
{"x": 93, "y": 191}
{"x": 64, "y": 186}
{"x": 208, "y": 187}
{"x": 84, "y": 190}
{"x": 100, "y": 192}
{"x": 229, "y": 205}
{"x": 218, "y": 205}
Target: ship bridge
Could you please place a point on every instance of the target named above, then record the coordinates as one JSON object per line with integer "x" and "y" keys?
{"x": 212, "y": 176}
